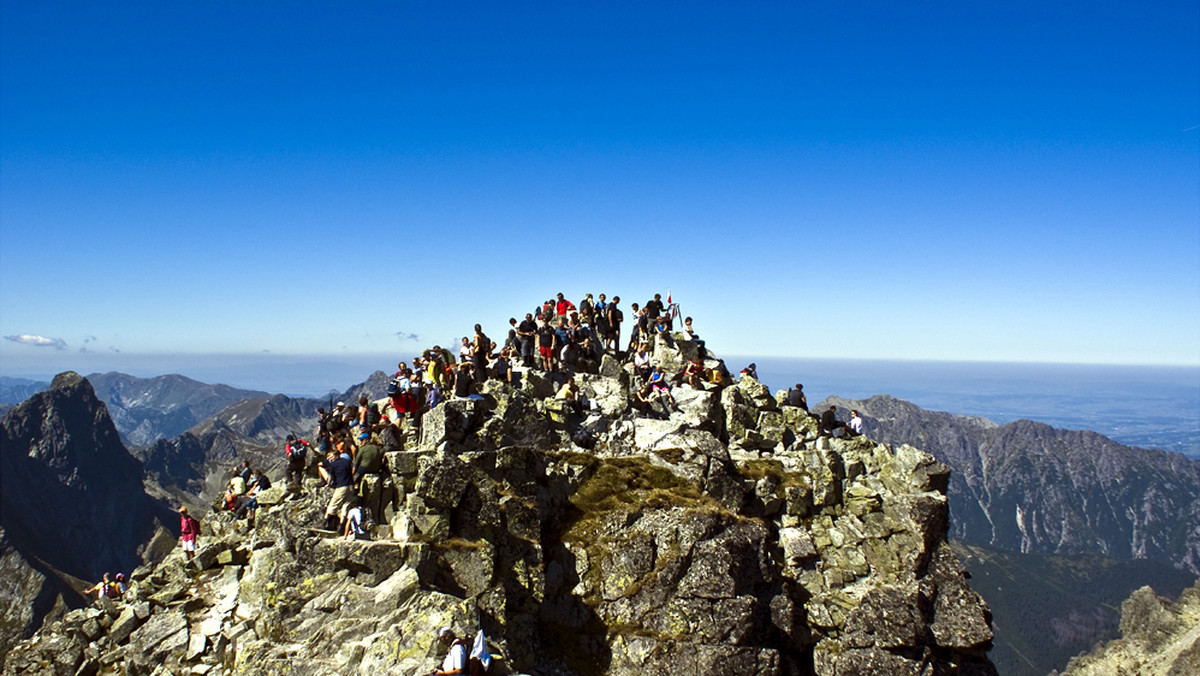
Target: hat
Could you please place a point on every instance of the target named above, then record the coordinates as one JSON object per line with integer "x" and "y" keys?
{"x": 445, "y": 631}
{"x": 364, "y": 435}
{"x": 291, "y": 437}
{"x": 341, "y": 404}
{"x": 183, "y": 510}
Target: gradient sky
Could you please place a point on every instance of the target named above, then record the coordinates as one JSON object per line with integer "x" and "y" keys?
{"x": 1010, "y": 182}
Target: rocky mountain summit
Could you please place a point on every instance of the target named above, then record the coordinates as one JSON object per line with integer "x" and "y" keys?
{"x": 1158, "y": 638}
{"x": 720, "y": 536}
{"x": 1029, "y": 487}
{"x": 72, "y": 505}
{"x": 147, "y": 409}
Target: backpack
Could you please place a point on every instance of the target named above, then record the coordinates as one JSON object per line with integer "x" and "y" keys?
{"x": 297, "y": 451}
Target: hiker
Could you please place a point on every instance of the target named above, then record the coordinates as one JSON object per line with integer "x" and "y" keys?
{"x": 563, "y": 308}
{"x": 249, "y": 502}
{"x": 456, "y": 653}
{"x": 751, "y": 370}
{"x": 462, "y": 381}
{"x": 105, "y": 588}
{"x": 615, "y": 317}
{"x": 570, "y": 394}
{"x": 352, "y": 517}
{"x": 480, "y": 349}
{"x": 854, "y": 427}
{"x": 693, "y": 375}
{"x": 296, "y": 451}
{"x": 369, "y": 459}
{"x": 641, "y": 361}
{"x": 830, "y": 423}
{"x": 527, "y": 334}
{"x": 338, "y": 472}
{"x": 796, "y": 397}
{"x": 658, "y": 383}
{"x": 546, "y": 345}
{"x": 189, "y": 529}
{"x": 502, "y": 368}
{"x": 690, "y": 334}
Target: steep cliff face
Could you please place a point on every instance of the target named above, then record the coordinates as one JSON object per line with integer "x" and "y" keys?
{"x": 716, "y": 536}
{"x": 1029, "y": 487}
{"x": 71, "y": 496}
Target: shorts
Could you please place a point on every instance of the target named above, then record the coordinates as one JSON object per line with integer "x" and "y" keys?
{"x": 188, "y": 545}
{"x": 545, "y": 350}
{"x": 341, "y": 497}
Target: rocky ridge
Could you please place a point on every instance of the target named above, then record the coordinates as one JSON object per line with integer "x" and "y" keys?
{"x": 72, "y": 505}
{"x": 1031, "y": 488}
{"x": 720, "y": 537}
{"x": 1158, "y": 638}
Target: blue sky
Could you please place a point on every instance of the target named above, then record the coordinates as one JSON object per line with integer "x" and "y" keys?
{"x": 930, "y": 181}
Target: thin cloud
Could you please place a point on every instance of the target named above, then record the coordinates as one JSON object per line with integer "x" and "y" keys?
{"x": 407, "y": 336}
{"x": 38, "y": 341}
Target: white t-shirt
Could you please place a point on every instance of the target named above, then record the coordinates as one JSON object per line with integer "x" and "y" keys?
{"x": 856, "y": 424}
{"x": 456, "y": 658}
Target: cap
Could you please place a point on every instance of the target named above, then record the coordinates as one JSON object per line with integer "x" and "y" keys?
{"x": 445, "y": 631}
{"x": 291, "y": 437}
{"x": 183, "y": 510}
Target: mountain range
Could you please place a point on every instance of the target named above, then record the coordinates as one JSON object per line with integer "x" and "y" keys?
{"x": 1016, "y": 491}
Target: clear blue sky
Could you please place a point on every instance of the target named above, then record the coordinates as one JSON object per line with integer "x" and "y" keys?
{"x": 1009, "y": 182}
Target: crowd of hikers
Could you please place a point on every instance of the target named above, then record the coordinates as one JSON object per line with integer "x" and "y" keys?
{"x": 557, "y": 336}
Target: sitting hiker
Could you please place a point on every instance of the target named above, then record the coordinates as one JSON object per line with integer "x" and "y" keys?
{"x": 658, "y": 383}
{"x": 796, "y": 397}
{"x": 238, "y": 481}
{"x": 690, "y": 334}
{"x": 456, "y": 654}
{"x": 641, "y": 361}
{"x": 571, "y": 395}
{"x": 854, "y": 427}
{"x": 464, "y": 351}
{"x": 245, "y": 474}
{"x": 830, "y": 423}
{"x": 105, "y": 588}
{"x": 693, "y": 375}
{"x": 751, "y": 371}
{"x": 249, "y": 502}
{"x": 462, "y": 381}
{"x": 502, "y": 369}
{"x": 352, "y": 517}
